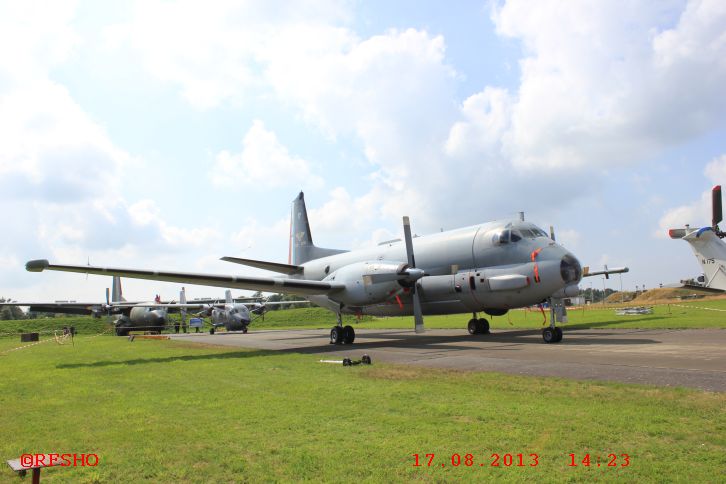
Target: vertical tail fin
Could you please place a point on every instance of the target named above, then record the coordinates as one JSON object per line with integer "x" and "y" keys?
{"x": 301, "y": 248}
{"x": 228, "y": 296}
{"x": 116, "y": 292}
{"x": 710, "y": 252}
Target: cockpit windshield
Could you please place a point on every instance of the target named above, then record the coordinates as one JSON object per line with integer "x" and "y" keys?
{"x": 532, "y": 232}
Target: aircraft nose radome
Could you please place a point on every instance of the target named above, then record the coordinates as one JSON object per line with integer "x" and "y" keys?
{"x": 570, "y": 269}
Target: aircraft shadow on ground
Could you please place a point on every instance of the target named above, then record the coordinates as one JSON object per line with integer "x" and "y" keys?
{"x": 169, "y": 359}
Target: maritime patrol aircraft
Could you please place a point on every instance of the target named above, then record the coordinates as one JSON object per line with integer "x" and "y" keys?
{"x": 708, "y": 246}
{"x": 489, "y": 268}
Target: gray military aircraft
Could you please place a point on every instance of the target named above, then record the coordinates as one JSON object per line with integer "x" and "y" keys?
{"x": 490, "y": 268}
{"x": 146, "y": 316}
{"x": 708, "y": 246}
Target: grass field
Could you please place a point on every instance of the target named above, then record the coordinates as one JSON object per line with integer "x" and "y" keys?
{"x": 670, "y": 316}
{"x": 175, "y": 412}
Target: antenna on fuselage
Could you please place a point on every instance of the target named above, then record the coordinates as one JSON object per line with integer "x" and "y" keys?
{"x": 521, "y": 216}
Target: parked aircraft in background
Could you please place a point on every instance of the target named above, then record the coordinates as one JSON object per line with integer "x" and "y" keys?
{"x": 490, "y": 268}
{"x": 146, "y": 316}
{"x": 234, "y": 315}
{"x": 708, "y": 246}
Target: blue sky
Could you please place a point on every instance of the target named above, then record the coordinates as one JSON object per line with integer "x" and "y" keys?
{"x": 165, "y": 135}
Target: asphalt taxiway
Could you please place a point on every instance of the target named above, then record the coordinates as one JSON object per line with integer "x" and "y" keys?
{"x": 689, "y": 358}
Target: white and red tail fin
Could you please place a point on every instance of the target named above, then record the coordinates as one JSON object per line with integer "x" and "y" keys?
{"x": 708, "y": 246}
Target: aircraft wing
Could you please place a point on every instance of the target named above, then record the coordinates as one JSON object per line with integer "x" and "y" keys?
{"x": 302, "y": 287}
{"x": 618, "y": 270}
{"x": 58, "y": 307}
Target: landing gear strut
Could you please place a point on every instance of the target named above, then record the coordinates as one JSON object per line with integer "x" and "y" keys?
{"x": 342, "y": 334}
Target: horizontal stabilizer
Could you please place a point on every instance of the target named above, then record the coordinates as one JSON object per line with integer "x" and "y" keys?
{"x": 288, "y": 269}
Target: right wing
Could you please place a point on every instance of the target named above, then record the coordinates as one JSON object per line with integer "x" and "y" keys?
{"x": 59, "y": 307}
{"x": 302, "y": 287}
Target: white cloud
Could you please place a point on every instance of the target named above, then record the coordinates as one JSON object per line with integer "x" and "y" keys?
{"x": 263, "y": 161}
{"x": 716, "y": 170}
{"x": 697, "y": 213}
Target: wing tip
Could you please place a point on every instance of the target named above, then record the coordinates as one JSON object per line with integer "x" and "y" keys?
{"x": 37, "y": 265}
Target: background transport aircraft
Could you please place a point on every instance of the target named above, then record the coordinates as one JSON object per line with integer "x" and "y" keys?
{"x": 146, "y": 316}
{"x": 490, "y": 268}
{"x": 708, "y": 246}
{"x": 231, "y": 314}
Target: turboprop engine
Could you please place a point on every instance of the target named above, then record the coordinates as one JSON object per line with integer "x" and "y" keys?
{"x": 373, "y": 282}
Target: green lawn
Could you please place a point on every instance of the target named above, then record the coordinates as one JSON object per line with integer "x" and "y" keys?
{"x": 171, "y": 411}
{"x": 671, "y": 316}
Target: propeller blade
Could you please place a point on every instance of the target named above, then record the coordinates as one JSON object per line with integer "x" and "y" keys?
{"x": 716, "y": 210}
{"x": 409, "y": 242}
{"x": 417, "y": 313}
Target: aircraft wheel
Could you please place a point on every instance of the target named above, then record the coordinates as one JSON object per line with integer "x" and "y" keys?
{"x": 549, "y": 335}
{"x": 347, "y": 362}
{"x": 473, "y": 326}
{"x": 121, "y": 331}
{"x": 336, "y": 335}
{"x": 211, "y": 331}
{"x": 244, "y": 330}
{"x": 366, "y": 360}
{"x": 348, "y": 335}
{"x": 483, "y": 326}
{"x": 558, "y": 335}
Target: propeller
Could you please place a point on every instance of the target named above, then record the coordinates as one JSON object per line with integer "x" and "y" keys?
{"x": 716, "y": 211}
{"x": 552, "y": 233}
{"x": 183, "y": 300}
{"x": 417, "y": 313}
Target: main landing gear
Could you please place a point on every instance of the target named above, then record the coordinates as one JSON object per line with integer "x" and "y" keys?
{"x": 478, "y": 326}
{"x": 342, "y": 334}
{"x": 552, "y": 335}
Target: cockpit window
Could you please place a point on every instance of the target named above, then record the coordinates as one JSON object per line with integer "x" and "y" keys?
{"x": 533, "y": 232}
{"x": 507, "y": 236}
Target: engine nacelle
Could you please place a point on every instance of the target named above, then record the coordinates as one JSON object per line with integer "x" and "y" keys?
{"x": 367, "y": 282}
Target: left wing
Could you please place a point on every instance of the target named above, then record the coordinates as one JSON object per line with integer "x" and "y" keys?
{"x": 302, "y": 287}
{"x": 606, "y": 272}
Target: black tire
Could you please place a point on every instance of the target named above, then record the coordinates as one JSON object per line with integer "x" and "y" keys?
{"x": 558, "y": 335}
{"x": 244, "y": 330}
{"x": 122, "y": 331}
{"x": 347, "y": 362}
{"x": 211, "y": 331}
{"x": 336, "y": 335}
{"x": 366, "y": 360}
{"x": 483, "y": 326}
{"x": 473, "y": 326}
{"x": 549, "y": 335}
{"x": 348, "y": 335}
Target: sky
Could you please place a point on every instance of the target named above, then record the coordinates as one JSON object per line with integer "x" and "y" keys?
{"x": 167, "y": 134}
